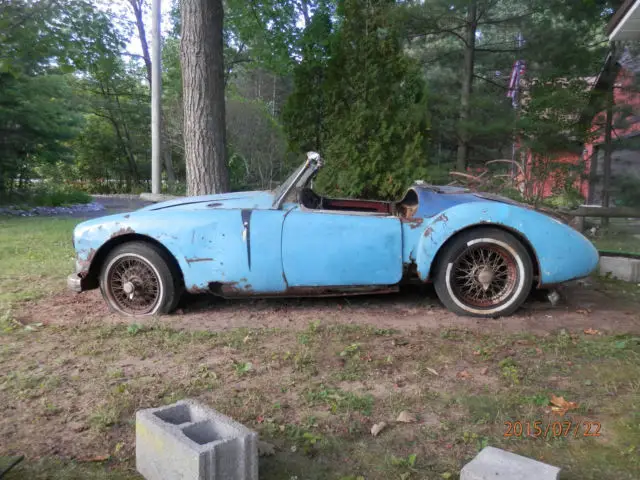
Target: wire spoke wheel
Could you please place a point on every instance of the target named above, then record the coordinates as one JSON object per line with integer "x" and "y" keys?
{"x": 133, "y": 285}
{"x": 484, "y": 275}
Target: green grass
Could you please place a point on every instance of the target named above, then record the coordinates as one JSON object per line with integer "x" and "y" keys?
{"x": 36, "y": 255}
{"x": 618, "y": 242}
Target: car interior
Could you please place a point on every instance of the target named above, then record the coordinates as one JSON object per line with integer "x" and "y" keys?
{"x": 405, "y": 208}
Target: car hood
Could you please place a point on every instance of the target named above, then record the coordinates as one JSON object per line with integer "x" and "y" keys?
{"x": 223, "y": 200}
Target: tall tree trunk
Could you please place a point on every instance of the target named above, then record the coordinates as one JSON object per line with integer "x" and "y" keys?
{"x": 136, "y": 5}
{"x": 202, "y": 61}
{"x": 471, "y": 25}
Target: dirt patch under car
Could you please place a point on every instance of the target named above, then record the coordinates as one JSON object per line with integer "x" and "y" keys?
{"x": 591, "y": 303}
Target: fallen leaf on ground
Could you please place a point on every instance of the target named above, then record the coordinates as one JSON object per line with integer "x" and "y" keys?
{"x": 246, "y": 339}
{"x": 377, "y": 428}
{"x": 463, "y": 374}
{"x": 560, "y": 406}
{"x": 484, "y": 371}
{"x": 431, "y": 370}
{"x": 406, "y": 417}
{"x": 97, "y": 458}
{"x": 265, "y": 449}
{"x": 592, "y": 331}
{"x": 583, "y": 311}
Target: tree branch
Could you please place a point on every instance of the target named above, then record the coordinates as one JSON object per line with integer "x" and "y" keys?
{"x": 480, "y": 77}
{"x": 438, "y": 32}
{"x": 498, "y": 50}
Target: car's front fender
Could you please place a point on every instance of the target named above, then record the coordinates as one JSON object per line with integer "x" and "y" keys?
{"x": 93, "y": 237}
{"x": 562, "y": 254}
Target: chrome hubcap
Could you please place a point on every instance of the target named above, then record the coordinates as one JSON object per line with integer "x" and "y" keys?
{"x": 128, "y": 288}
{"x": 485, "y": 277}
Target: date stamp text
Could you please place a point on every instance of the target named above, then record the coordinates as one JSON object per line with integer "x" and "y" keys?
{"x": 540, "y": 429}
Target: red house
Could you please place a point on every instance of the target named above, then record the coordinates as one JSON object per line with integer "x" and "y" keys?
{"x": 543, "y": 177}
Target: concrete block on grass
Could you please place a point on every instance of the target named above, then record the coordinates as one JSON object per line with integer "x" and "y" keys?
{"x": 495, "y": 464}
{"x": 622, "y": 268}
{"x": 190, "y": 441}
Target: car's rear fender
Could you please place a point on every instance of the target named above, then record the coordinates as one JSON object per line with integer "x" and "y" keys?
{"x": 560, "y": 252}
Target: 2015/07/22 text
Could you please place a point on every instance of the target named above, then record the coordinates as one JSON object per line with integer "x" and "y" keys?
{"x": 539, "y": 429}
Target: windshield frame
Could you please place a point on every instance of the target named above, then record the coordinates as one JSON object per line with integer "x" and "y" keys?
{"x": 298, "y": 179}
{"x": 282, "y": 189}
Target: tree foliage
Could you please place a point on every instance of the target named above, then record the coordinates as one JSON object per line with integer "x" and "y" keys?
{"x": 363, "y": 104}
{"x": 375, "y": 85}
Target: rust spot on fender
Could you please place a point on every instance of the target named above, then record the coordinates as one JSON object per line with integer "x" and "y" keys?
{"x": 122, "y": 231}
{"x": 413, "y": 222}
{"x": 428, "y": 232}
{"x": 85, "y": 264}
{"x": 196, "y": 260}
{"x": 441, "y": 218}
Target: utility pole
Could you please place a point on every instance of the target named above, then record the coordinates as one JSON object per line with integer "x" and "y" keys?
{"x": 156, "y": 96}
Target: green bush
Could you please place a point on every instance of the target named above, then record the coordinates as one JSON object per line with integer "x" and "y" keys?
{"x": 47, "y": 196}
{"x": 59, "y": 198}
{"x": 568, "y": 199}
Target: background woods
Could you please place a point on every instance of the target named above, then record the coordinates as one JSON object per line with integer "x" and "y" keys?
{"x": 389, "y": 91}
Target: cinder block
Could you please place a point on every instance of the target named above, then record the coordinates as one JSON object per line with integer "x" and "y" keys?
{"x": 495, "y": 464}
{"x": 189, "y": 441}
{"x": 622, "y": 268}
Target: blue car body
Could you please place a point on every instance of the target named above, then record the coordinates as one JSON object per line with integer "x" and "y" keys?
{"x": 248, "y": 243}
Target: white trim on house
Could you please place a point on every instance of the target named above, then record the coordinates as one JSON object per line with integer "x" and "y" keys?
{"x": 629, "y": 27}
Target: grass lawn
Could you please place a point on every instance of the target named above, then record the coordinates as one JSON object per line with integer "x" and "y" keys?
{"x": 72, "y": 390}
{"x": 36, "y": 255}
{"x": 618, "y": 242}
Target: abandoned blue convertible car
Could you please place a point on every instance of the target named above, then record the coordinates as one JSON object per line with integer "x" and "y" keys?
{"x": 484, "y": 254}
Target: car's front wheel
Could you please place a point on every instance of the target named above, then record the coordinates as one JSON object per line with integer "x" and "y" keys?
{"x": 139, "y": 279}
{"x": 485, "y": 272}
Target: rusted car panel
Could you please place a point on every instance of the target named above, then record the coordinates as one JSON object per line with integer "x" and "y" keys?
{"x": 294, "y": 242}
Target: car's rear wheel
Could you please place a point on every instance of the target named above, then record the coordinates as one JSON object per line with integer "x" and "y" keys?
{"x": 485, "y": 272}
{"x": 139, "y": 279}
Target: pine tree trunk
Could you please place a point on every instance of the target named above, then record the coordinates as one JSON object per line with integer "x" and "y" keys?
{"x": 201, "y": 52}
{"x": 467, "y": 84}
